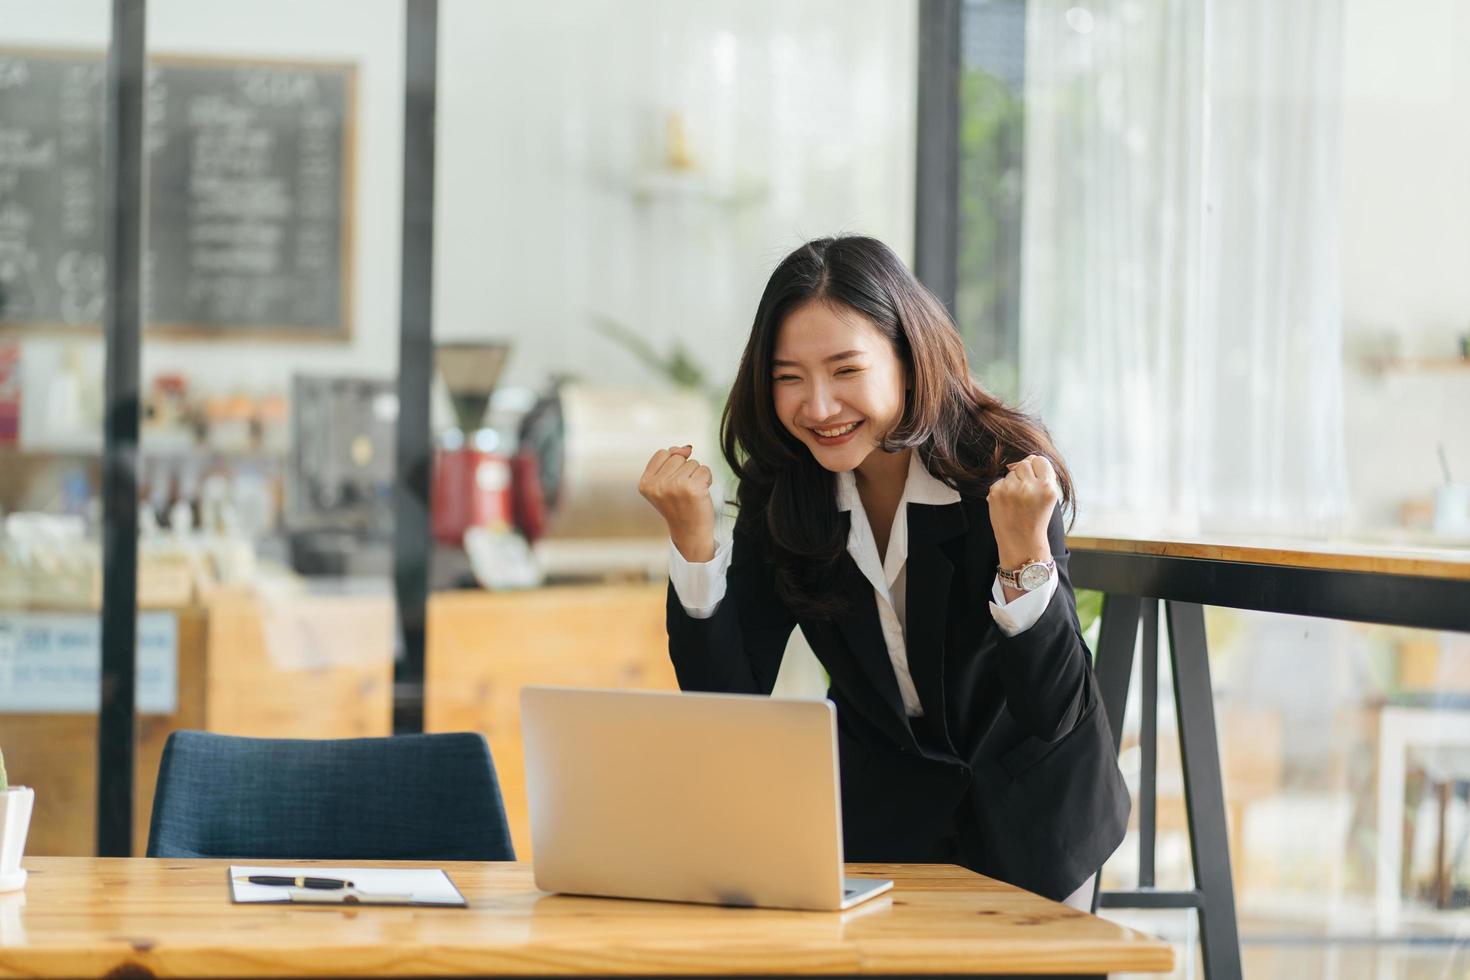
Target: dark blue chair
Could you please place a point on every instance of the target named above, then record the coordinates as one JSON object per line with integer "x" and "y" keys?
{"x": 409, "y": 797}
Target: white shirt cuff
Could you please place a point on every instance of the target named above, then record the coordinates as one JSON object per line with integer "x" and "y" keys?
{"x": 1022, "y": 612}
{"x": 700, "y": 586}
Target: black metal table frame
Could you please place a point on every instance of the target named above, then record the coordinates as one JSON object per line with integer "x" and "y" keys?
{"x": 1131, "y": 583}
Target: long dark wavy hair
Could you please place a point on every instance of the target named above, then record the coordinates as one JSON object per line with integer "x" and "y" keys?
{"x": 964, "y": 435}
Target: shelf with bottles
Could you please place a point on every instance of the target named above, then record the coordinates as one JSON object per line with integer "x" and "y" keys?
{"x": 1389, "y": 352}
{"x": 1425, "y": 364}
{"x": 201, "y": 524}
{"x": 174, "y": 422}
{"x": 67, "y": 480}
{"x": 92, "y": 450}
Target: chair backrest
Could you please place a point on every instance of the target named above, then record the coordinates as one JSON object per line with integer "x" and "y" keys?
{"x": 408, "y": 797}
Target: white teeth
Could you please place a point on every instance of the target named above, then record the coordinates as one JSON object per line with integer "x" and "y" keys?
{"x": 834, "y": 433}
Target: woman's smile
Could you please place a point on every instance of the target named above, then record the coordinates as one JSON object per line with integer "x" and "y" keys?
{"x": 836, "y": 435}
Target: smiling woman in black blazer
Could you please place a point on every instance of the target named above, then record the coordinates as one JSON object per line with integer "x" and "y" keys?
{"x": 910, "y": 524}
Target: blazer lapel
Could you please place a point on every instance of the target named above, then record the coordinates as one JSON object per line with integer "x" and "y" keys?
{"x": 930, "y": 572}
{"x": 863, "y": 632}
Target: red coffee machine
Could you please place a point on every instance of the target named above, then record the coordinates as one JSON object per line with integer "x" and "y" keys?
{"x": 472, "y": 475}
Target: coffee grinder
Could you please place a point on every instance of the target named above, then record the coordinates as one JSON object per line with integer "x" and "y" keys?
{"x": 472, "y": 474}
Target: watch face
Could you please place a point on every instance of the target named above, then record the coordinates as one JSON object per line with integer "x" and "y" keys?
{"x": 1034, "y": 577}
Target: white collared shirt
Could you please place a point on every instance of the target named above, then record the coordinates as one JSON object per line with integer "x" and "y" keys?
{"x": 700, "y": 586}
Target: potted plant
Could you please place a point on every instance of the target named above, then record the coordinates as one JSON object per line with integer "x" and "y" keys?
{"x": 15, "y": 823}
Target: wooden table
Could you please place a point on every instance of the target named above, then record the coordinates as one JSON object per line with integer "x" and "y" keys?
{"x": 1373, "y": 558}
{"x": 140, "y": 917}
{"x": 1420, "y": 587}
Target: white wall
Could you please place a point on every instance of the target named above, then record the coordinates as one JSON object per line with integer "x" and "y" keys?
{"x": 1405, "y": 244}
{"x": 553, "y": 113}
{"x": 549, "y": 114}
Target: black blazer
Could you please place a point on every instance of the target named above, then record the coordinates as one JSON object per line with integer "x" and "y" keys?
{"x": 1016, "y": 776}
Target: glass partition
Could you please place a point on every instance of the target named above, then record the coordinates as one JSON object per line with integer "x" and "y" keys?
{"x": 270, "y": 362}
{"x": 51, "y": 411}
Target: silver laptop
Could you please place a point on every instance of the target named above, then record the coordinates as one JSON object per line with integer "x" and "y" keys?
{"x": 727, "y": 799}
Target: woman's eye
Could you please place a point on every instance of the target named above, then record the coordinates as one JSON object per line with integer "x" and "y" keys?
{"x": 847, "y": 370}
{"x": 784, "y": 377}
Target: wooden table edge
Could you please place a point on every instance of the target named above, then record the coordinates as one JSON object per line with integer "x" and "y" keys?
{"x": 1427, "y": 564}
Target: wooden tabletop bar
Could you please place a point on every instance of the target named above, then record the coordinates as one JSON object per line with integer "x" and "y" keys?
{"x": 1329, "y": 555}
{"x": 139, "y": 917}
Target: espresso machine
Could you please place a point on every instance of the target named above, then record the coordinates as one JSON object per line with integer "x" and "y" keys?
{"x": 472, "y": 472}
{"x": 339, "y": 489}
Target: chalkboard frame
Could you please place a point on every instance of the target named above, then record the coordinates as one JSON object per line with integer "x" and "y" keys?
{"x": 338, "y": 333}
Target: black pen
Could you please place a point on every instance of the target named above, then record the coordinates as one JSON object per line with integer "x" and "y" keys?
{"x": 301, "y": 882}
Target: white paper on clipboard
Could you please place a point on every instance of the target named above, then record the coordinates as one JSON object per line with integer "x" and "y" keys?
{"x": 422, "y": 886}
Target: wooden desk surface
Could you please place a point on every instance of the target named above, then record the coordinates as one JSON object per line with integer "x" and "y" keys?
{"x": 138, "y": 917}
{"x": 1330, "y": 555}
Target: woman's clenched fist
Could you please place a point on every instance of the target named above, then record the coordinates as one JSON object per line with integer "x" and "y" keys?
{"x": 678, "y": 485}
{"x": 1021, "y": 505}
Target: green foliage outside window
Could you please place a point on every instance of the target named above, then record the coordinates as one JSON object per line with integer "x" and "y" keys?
{"x": 988, "y": 295}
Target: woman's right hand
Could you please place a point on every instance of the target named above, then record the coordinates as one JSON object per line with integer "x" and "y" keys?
{"x": 678, "y": 485}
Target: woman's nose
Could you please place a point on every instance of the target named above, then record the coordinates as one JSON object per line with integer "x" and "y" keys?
{"x": 821, "y": 404}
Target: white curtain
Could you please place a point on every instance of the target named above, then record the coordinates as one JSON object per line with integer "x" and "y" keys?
{"x": 1181, "y": 296}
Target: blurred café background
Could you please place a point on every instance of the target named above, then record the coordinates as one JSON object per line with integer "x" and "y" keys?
{"x": 1221, "y": 248}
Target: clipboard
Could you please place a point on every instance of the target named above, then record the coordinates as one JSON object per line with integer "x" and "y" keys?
{"x": 370, "y": 886}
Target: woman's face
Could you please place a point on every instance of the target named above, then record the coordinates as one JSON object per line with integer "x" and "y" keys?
{"x": 837, "y": 383}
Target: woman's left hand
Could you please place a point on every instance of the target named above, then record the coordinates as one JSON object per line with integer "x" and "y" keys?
{"x": 1021, "y": 505}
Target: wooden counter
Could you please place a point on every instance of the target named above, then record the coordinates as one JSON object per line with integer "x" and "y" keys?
{"x": 134, "y": 917}
{"x": 483, "y": 647}
{"x": 286, "y": 666}
{"x": 55, "y": 753}
{"x": 309, "y": 666}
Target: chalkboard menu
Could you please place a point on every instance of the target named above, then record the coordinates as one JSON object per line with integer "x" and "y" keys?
{"x": 249, "y": 194}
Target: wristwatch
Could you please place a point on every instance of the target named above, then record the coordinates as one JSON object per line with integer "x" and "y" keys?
{"x": 1031, "y": 576}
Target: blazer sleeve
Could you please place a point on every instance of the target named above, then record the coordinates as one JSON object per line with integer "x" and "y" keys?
{"x": 1046, "y": 669}
{"x": 738, "y": 650}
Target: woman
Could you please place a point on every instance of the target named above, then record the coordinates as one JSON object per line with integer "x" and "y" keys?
{"x": 911, "y": 525}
